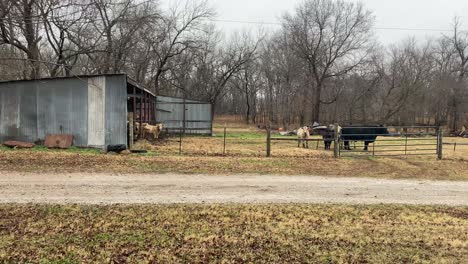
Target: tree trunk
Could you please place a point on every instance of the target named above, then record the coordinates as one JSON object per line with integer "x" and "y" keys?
{"x": 247, "y": 114}
{"x": 316, "y": 103}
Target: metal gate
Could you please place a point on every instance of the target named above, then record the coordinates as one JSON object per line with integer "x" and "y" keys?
{"x": 389, "y": 141}
{"x": 184, "y": 115}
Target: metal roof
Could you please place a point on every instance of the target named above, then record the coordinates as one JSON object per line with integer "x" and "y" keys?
{"x": 129, "y": 80}
{"x": 63, "y": 77}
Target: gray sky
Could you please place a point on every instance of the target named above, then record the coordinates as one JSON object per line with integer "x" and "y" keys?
{"x": 415, "y": 14}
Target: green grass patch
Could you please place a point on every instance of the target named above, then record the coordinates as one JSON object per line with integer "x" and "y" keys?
{"x": 242, "y": 135}
{"x": 72, "y": 149}
{"x": 4, "y": 148}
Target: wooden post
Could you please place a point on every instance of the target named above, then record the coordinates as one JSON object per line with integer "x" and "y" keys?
{"x": 212, "y": 119}
{"x": 134, "y": 111}
{"x": 336, "y": 147}
{"x": 184, "y": 117}
{"x": 406, "y": 141}
{"x": 224, "y": 146}
{"x": 268, "y": 143}
{"x": 141, "y": 115}
{"x": 131, "y": 132}
{"x": 440, "y": 141}
{"x": 145, "y": 108}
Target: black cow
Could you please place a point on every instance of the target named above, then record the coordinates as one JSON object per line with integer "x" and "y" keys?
{"x": 366, "y": 134}
{"x": 327, "y": 133}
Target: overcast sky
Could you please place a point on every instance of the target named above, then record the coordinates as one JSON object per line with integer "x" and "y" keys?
{"x": 415, "y": 14}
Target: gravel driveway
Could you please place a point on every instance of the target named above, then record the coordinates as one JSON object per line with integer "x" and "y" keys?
{"x": 175, "y": 188}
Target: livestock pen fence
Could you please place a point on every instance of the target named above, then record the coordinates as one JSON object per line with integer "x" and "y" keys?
{"x": 233, "y": 140}
{"x": 397, "y": 141}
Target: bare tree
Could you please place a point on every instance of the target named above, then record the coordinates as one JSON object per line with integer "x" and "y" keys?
{"x": 19, "y": 28}
{"x": 404, "y": 77}
{"x": 333, "y": 37}
{"x": 216, "y": 65}
{"x": 177, "y": 33}
{"x": 249, "y": 82}
{"x": 459, "y": 92}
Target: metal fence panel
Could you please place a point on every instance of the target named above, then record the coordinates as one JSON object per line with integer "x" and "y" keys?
{"x": 197, "y": 116}
{"x": 408, "y": 143}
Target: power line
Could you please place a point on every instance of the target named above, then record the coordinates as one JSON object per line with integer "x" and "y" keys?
{"x": 88, "y": 20}
{"x": 378, "y": 28}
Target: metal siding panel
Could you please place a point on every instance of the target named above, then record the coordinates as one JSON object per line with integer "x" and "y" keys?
{"x": 62, "y": 108}
{"x": 79, "y": 112}
{"x": 96, "y": 112}
{"x": 174, "y": 119}
{"x": 44, "y": 106}
{"x": 28, "y": 114}
{"x": 9, "y": 119}
{"x": 116, "y": 110}
{"x": 63, "y": 112}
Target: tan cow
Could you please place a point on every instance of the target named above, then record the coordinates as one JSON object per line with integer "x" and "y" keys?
{"x": 152, "y": 132}
{"x": 303, "y": 134}
{"x": 149, "y": 132}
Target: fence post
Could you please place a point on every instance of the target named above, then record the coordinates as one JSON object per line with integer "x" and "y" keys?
{"x": 224, "y": 146}
{"x": 180, "y": 140}
{"x": 130, "y": 132}
{"x": 268, "y": 146}
{"x": 336, "y": 145}
{"x": 440, "y": 141}
{"x": 406, "y": 141}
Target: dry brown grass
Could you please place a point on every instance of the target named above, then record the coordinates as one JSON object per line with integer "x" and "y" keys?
{"x": 60, "y": 161}
{"x": 245, "y": 153}
{"x": 233, "y": 234}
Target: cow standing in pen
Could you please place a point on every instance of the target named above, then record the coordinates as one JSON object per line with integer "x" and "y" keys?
{"x": 327, "y": 133}
{"x": 366, "y": 134}
{"x": 303, "y": 135}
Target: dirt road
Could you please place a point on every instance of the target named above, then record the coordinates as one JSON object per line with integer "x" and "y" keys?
{"x": 172, "y": 188}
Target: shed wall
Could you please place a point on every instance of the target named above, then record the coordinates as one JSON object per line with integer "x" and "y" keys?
{"x": 29, "y": 110}
{"x": 116, "y": 110}
{"x": 97, "y": 111}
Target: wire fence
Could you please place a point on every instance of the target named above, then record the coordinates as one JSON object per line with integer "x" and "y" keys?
{"x": 350, "y": 142}
{"x": 375, "y": 141}
{"x": 391, "y": 141}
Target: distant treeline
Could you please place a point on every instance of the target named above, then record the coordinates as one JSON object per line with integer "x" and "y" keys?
{"x": 323, "y": 64}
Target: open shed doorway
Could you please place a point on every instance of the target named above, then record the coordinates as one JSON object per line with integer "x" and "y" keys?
{"x": 141, "y": 105}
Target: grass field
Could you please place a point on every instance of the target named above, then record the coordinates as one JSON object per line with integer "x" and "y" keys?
{"x": 245, "y": 153}
{"x": 233, "y": 234}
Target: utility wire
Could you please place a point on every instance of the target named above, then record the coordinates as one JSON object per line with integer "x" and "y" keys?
{"x": 88, "y": 20}
{"x": 378, "y": 28}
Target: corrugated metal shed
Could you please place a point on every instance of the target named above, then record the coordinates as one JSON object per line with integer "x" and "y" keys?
{"x": 32, "y": 109}
{"x": 197, "y": 115}
{"x": 93, "y": 109}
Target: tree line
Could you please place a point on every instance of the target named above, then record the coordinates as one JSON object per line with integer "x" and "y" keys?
{"x": 323, "y": 63}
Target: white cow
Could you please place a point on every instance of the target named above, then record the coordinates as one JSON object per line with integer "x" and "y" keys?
{"x": 303, "y": 134}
